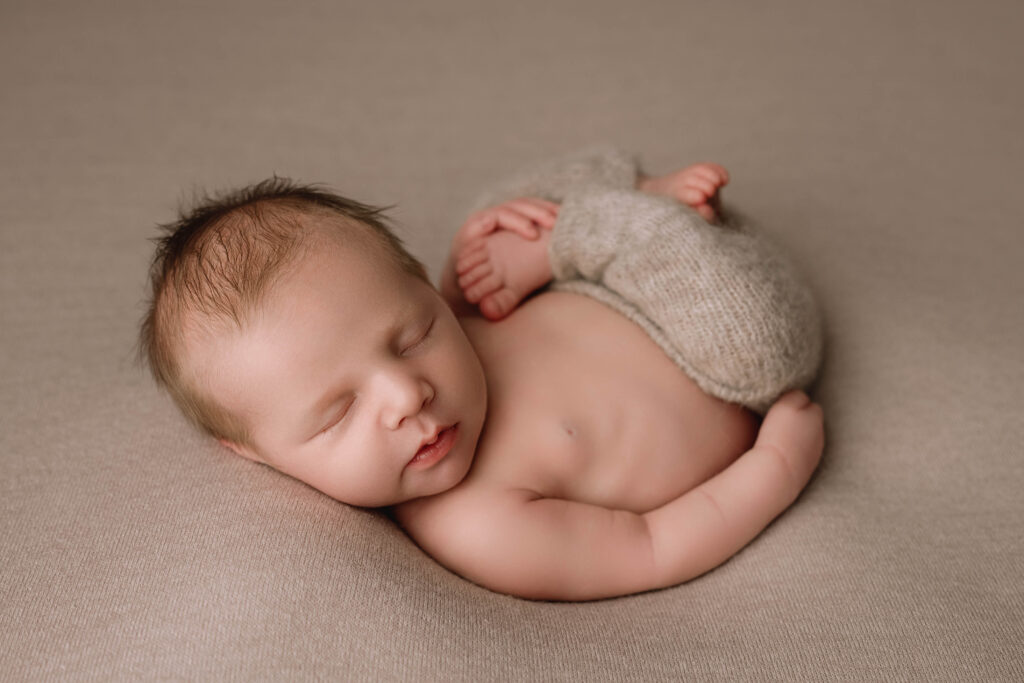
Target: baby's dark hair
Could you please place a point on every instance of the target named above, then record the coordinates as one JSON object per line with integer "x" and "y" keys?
{"x": 215, "y": 263}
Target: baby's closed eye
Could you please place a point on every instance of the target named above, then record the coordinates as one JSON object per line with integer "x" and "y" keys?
{"x": 423, "y": 337}
{"x": 336, "y": 420}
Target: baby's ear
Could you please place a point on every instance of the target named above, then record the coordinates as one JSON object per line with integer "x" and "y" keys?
{"x": 243, "y": 451}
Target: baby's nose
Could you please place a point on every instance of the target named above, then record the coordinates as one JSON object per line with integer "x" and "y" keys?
{"x": 406, "y": 398}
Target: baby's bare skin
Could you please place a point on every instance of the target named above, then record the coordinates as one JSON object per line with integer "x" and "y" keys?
{"x": 611, "y": 422}
{"x": 602, "y": 469}
{"x": 553, "y": 451}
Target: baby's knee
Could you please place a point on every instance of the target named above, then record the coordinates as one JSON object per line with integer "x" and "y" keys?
{"x": 753, "y": 329}
{"x": 765, "y": 350}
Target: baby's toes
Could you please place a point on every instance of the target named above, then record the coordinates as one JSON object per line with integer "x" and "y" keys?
{"x": 717, "y": 173}
{"x": 692, "y": 196}
{"x": 706, "y": 212}
{"x": 499, "y": 304}
{"x": 478, "y": 290}
{"x": 471, "y": 256}
{"x": 474, "y": 275}
{"x": 702, "y": 184}
{"x": 712, "y": 172}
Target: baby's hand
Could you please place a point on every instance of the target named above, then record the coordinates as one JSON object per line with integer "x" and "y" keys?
{"x": 501, "y": 254}
{"x": 794, "y": 431}
{"x": 527, "y": 216}
{"x": 696, "y": 186}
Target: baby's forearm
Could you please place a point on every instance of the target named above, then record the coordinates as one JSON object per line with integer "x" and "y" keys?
{"x": 700, "y": 530}
{"x": 709, "y": 524}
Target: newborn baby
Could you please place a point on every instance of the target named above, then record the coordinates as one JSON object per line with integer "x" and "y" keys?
{"x": 589, "y": 437}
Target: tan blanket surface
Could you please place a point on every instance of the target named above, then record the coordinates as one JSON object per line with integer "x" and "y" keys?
{"x": 881, "y": 143}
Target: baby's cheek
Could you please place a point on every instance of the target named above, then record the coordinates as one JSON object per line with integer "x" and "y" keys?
{"x": 473, "y": 373}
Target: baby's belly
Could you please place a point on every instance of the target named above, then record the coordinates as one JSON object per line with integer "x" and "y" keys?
{"x": 583, "y": 405}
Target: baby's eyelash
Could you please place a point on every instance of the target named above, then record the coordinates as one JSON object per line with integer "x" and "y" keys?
{"x": 331, "y": 427}
{"x": 426, "y": 334}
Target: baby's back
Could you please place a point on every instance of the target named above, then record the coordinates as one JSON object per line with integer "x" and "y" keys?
{"x": 584, "y": 406}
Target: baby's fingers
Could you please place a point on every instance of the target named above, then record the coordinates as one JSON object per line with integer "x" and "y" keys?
{"x": 478, "y": 225}
{"x": 541, "y": 211}
{"x": 511, "y": 219}
{"x": 794, "y": 428}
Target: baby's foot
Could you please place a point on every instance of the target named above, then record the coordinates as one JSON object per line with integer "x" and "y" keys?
{"x": 696, "y": 186}
{"x": 500, "y": 269}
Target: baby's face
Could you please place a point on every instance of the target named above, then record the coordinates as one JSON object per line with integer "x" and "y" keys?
{"x": 349, "y": 367}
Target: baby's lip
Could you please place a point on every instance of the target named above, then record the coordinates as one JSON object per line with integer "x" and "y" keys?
{"x": 433, "y": 437}
{"x": 425, "y": 456}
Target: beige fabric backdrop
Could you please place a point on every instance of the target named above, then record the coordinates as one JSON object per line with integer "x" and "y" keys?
{"x": 880, "y": 142}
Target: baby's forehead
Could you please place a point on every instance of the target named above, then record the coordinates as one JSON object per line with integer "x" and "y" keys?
{"x": 340, "y": 304}
{"x": 366, "y": 262}
{"x": 328, "y": 233}
{"x": 334, "y": 268}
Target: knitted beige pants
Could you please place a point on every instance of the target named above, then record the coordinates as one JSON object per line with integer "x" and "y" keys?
{"x": 725, "y": 305}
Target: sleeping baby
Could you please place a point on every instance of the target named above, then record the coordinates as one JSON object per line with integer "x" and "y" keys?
{"x": 601, "y": 398}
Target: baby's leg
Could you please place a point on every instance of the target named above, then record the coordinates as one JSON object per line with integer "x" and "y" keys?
{"x": 500, "y": 269}
{"x": 721, "y": 301}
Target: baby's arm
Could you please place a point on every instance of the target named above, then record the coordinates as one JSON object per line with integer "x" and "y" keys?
{"x": 553, "y": 549}
{"x": 706, "y": 526}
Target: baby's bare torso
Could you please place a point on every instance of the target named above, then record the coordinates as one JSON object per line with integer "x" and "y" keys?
{"x": 584, "y": 406}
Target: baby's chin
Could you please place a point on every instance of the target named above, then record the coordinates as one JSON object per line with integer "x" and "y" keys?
{"x": 454, "y": 469}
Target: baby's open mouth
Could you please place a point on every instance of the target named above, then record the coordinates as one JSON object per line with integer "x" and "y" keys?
{"x": 432, "y": 453}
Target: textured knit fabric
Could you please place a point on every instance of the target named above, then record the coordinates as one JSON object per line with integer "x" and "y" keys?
{"x": 723, "y": 303}
{"x": 592, "y": 167}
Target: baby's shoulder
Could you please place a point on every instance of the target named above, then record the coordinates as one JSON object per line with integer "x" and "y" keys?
{"x": 437, "y": 523}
